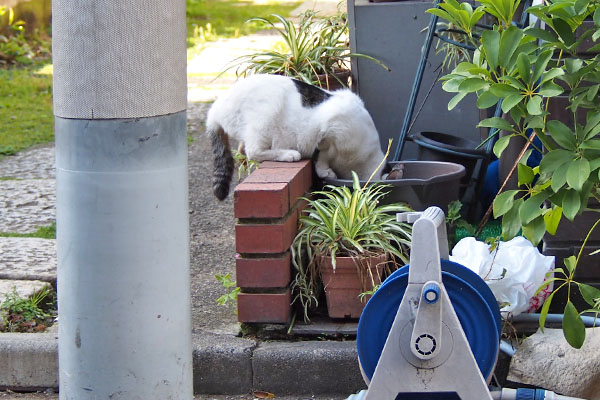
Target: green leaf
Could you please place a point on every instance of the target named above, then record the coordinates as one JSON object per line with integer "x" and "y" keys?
{"x": 541, "y": 34}
{"x": 441, "y": 13}
{"x": 509, "y": 40}
{"x": 470, "y": 85}
{"x": 525, "y": 174}
{"x": 592, "y": 121}
{"x": 503, "y": 90}
{"x": 571, "y": 263}
{"x": 511, "y": 221}
{"x": 511, "y": 101}
{"x": 571, "y": 204}
{"x": 465, "y": 67}
{"x": 514, "y": 82}
{"x": 496, "y": 122}
{"x": 564, "y": 31}
{"x": 504, "y": 202}
{"x": 536, "y": 122}
{"x": 552, "y": 218}
{"x": 540, "y": 64}
{"x": 486, "y": 100}
{"x": 544, "y": 310}
{"x": 591, "y": 144}
{"x": 531, "y": 207}
{"x": 534, "y": 105}
{"x": 559, "y": 177}
{"x": 573, "y": 65}
{"x": 597, "y": 17}
{"x": 535, "y": 230}
{"x": 551, "y": 74}
{"x": 589, "y": 293}
{"x": 452, "y": 85}
{"x": 490, "y": 41}
{"x": 581, "y": 5}
{"x": 578, "y": 173}
{"x": 573, "y": 327}
{"x": 592, "y": 92}
{"x": 501, "y": 145}
{"x": 455, "y": 100}
{"x": 555, "y": 159}
{"x": 524, "y": 67}
{"x": 561, "y": 134}
{"x": 550, "y": 89}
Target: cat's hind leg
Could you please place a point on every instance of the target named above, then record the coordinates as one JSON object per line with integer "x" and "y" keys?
{"x": 259, "y": 137}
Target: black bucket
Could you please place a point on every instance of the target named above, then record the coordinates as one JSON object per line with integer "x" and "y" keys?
{"x": 435, "y": 146}
{"x": 423, "y": 184}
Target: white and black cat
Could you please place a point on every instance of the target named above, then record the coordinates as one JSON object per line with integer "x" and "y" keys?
{"x": 282, "y": 119}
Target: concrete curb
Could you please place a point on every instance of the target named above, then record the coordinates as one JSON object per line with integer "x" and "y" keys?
{"x": 222, "y": 365}
{"x": 29, "y": 361}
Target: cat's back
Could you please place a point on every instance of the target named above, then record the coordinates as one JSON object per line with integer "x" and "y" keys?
{"x": 261, "y": 87}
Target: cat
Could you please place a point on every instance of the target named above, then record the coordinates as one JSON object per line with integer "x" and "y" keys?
{"x": 278, "y": 118}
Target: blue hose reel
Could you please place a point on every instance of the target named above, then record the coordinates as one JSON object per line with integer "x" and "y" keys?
{"x": 433, "y": 328}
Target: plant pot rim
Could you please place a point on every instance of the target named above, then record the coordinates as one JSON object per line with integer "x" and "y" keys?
{"x": 373, "y": 255}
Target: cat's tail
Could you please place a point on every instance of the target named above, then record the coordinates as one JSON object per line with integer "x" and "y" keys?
{"x": 223, "y": 160}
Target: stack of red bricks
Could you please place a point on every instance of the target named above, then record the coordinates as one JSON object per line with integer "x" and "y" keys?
{"x": 267, "y": 204}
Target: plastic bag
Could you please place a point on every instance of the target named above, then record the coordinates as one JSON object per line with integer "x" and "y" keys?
{"x": 513, "y": 271}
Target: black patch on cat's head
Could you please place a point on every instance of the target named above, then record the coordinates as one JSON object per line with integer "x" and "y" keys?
{"x": 311, "y": 95}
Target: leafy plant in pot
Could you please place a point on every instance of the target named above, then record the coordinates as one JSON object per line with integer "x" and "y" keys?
{"x": 315, "y": 51}
{"x": 522, "y": 69}
{"x": 346, "y": 232}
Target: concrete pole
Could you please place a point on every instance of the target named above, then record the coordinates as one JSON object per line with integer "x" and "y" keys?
{"x": 122, "y": 199}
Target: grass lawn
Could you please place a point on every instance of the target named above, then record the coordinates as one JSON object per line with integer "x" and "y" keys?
{"x": 26, "y": 115}
{"x": 43, "y": 232}
{"x": 227, "y": 17}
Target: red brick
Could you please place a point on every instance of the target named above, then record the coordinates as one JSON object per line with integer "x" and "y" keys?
{"x": 279, "y": 164}
{"x": 297, "y": 174}
{"x": 261, "y": 200}
{"x": 263, "y": 272}
{"x": 265, "y": 307}
{"x": 266, "y": 238}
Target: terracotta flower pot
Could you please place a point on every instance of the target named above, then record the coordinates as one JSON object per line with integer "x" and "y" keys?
{"x": 343, "y": 286}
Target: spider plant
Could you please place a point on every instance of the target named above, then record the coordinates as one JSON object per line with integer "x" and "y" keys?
{"x": 315, "y": 51}
{"x": 346, "y": 222}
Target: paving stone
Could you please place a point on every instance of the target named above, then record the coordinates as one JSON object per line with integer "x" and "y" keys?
{"x": 24, "y": 289}
{"x": 546, "y": 360}
{"x": 28, "y": 259}
{"x": 36, "y": 163}
{"x": 26, "y": 205}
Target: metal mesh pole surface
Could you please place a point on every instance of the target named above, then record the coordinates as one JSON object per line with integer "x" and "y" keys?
{"x": 122, "y": 199}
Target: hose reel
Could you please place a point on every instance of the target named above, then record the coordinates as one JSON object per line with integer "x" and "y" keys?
{"x": 432, "y": 330}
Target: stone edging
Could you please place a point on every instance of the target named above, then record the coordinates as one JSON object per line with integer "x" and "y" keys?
{"x": 222, "y": 365}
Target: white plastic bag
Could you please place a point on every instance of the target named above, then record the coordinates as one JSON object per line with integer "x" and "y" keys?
{"x": 513, "y": 271}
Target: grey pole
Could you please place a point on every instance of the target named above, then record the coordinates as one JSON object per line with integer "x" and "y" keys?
{"x": 122, "y": 207}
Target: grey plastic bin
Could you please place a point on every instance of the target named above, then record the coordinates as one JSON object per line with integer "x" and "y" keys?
{"x": 424, "y": 184}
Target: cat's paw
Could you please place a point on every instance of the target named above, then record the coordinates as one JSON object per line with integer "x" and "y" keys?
{"x": 326, "y": 173}
{"x": 289, "y": 156}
